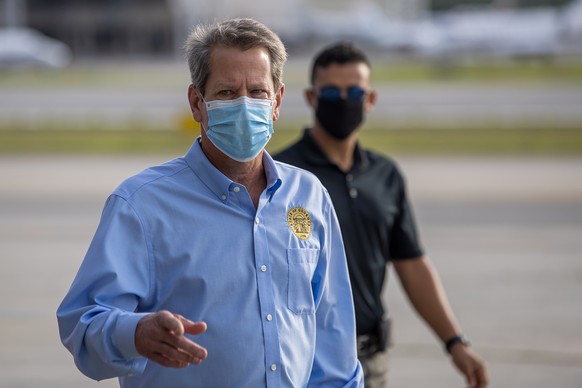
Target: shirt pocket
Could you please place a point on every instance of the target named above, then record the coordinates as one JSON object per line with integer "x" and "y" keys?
{"x": 302, "y": 263}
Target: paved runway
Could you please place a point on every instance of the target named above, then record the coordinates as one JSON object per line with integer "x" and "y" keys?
{"x": 505, "y": 234}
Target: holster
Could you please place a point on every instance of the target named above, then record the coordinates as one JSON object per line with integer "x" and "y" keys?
{"x": 384, "y": 334}
{"x": 377, "y": 341}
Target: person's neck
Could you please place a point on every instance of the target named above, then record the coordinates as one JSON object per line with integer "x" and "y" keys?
{"x": 249, "y": 174}
{"x": 339, "y": 151}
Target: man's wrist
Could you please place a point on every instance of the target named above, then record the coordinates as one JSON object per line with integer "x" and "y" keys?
{"x": 457, "y": 339}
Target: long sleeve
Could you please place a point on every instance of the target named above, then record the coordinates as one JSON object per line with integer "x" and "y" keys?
{"x": 97, "y": 318}
{"x": 335, "y": 363}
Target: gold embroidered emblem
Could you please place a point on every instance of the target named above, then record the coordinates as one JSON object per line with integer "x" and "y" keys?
{"x": 300, "y": 222}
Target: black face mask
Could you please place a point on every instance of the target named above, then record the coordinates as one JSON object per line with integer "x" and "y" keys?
{"x": 339, "y": 117}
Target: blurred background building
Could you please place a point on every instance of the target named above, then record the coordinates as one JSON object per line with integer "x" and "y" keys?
{"x": 412, "y": 27}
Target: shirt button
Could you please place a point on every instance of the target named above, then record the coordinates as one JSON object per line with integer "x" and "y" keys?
{"x": 273, "y": 367}
{"x": 269, "y": 317}
{"x": 256, "y": 220}
{"x": 349, "y": 177}
{"x": 223, "y": 197}
{"x": 263, "y": 268}
{"x": 353, "y": 192}
{"x": 236, "y": 189}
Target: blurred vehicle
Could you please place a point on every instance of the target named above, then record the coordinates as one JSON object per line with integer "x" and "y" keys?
{"x": 25, "y": 47}
{"x": 538, "y": 33}
{"x": 490, "y": 33}
{"x": 475, "y": 32}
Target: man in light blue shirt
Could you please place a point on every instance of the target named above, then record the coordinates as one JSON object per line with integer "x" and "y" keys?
{"x": 221, "y": 268}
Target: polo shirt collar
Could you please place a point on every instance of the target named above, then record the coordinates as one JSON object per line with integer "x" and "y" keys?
{"x": 315, "y": 155}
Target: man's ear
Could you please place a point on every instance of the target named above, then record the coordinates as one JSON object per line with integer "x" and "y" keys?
{"x": 310, "y": 97}
{"x": 195, "y": 100}
{"x": 370, "y": 100}
{"x": 278, "y": 101}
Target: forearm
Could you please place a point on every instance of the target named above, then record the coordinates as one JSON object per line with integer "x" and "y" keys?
{"x": 425, "y": 291}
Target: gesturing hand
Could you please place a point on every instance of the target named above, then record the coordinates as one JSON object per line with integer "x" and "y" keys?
{"x": 160, "y": 337}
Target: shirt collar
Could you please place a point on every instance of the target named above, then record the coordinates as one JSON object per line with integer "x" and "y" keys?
{"x": 272, "y": 175}
{"x": 315, "y": 155}
{"x": 219, "y": 183}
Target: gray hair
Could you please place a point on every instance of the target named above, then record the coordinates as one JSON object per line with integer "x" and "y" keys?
{"x": 238, "y": 33}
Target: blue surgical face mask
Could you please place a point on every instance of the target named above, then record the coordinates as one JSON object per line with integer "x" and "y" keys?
{"x": 240, "y": 128}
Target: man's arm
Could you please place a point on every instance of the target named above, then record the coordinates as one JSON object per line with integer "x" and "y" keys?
{"x": 98, "y": 318}
{"x": 425, "y": 291}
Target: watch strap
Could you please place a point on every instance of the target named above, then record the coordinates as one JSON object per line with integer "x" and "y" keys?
{"x": 454, "y": 340}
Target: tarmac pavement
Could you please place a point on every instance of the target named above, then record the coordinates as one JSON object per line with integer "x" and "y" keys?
{"x": 504, "y": 233}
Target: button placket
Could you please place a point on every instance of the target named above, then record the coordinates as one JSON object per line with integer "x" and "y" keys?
{"x": 352, "y": 191}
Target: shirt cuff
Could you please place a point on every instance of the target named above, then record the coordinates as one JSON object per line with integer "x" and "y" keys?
{"x": 124, "y": 335}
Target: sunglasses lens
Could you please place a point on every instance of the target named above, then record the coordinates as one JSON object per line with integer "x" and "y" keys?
{"x": 330, "y": 93}
{"x": 333, "y": 93}
{"x": 356, "y": 93}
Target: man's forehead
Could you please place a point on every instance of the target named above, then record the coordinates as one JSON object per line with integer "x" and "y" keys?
{"x": 230, "y": 65}
{"x": 343, "y": 73}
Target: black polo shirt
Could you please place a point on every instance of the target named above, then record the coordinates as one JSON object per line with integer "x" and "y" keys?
{"x": 375, "y": 218}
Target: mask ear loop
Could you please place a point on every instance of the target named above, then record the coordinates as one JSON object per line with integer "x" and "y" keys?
{"x": 205, "y": 104}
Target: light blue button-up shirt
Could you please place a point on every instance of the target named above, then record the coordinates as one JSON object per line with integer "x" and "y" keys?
{"x": 185, "y": 238}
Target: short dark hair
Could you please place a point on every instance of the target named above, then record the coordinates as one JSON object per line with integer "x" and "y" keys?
{"x": 340, "y": 53}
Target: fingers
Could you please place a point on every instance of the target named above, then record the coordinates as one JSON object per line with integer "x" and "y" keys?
{"x": 471, "y": 381}
{"x": 481, "y": 376}
{"x": 471, "y": 366}
{"x": 160, "y": 337}
{"x": 170, "y": 356}
{"x": 476, "y": 375}
{"x": 171, "y": 322}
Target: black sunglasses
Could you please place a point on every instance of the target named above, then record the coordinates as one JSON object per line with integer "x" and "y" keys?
{"x": 333, "y": 93}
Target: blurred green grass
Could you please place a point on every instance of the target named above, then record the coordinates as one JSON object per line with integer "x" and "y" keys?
{"x": 564, "y": 141}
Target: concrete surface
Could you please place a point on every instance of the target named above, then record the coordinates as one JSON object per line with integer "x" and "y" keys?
{"x": 505, "y": 234}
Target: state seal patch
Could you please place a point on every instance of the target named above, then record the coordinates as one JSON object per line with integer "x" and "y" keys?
{"x": 300, "y": 222}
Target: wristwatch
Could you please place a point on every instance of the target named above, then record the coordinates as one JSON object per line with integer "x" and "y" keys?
{"x": 455, "y": 340}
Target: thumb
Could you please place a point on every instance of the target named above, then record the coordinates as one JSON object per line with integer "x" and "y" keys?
{"x": 194, "y": 328}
